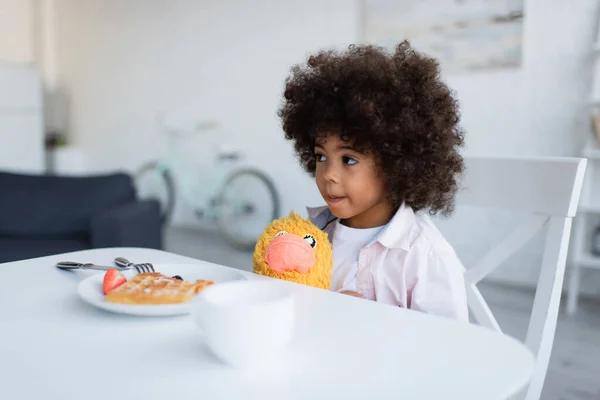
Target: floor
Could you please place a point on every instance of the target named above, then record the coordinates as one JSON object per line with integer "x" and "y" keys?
{"x": 574, "y": 372}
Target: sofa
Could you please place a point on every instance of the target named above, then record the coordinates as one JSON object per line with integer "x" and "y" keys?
{"x": 42, "y": 215}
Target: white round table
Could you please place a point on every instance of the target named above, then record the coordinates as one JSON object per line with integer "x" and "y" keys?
{"x": 55, "y": 346}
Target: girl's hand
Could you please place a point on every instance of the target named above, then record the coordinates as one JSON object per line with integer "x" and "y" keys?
{"x": 351, "y": 293}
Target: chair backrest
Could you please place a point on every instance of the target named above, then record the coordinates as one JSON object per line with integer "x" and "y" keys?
{"x": 549, "y": 189}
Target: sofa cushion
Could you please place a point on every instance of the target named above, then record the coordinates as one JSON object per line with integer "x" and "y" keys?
{"x": 13, "y": 249}
{"x": 57, "y": 206}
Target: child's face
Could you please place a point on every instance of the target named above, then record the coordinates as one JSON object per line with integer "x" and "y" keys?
{"x": 349, "y": 183}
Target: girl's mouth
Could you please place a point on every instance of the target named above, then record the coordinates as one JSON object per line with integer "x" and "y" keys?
{"x": 334, "y": 199}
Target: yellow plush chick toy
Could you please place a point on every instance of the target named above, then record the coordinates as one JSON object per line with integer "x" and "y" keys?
{"x": 294, "y": 249}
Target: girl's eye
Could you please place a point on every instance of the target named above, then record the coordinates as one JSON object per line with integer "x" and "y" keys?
{"x": 349, "y": 160}
{"x": 320, "y": 157}
{"x": 310, "y": 239}
{"x": 280, "y": 233}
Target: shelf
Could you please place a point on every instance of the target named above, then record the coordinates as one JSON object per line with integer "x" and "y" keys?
{"x": 588, "y": 260}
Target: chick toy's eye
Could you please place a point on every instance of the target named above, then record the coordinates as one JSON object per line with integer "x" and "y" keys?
{"x": 310, "y": 239}
{"x": 280, "y": 233}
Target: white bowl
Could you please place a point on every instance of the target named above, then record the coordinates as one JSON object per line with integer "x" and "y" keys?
{"x": 246, "y": 322}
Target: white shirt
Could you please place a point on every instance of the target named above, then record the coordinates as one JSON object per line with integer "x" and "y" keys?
{"x": 408, "y": 264}
{"x": 347, "y": 243}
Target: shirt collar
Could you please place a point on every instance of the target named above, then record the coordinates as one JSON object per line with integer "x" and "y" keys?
{"x": 396, "y": 233}
{"x": 314, "y": 212}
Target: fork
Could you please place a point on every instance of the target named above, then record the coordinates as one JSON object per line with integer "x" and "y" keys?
{"x": 140, "y": 268}
{"x": 73, "y": 265}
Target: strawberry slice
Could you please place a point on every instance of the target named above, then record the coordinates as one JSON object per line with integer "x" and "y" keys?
{"x": 112, "y": 280}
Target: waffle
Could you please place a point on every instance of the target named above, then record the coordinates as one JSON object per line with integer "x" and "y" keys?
{"x": 155, "y": 288}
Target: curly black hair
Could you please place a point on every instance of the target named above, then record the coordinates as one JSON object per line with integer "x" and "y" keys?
{"x": 392, "y": 104}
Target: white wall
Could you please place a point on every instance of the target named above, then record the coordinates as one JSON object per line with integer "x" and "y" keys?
{"x": 16, "y": 31}
{"x": 540, "y": 108}
{"x": 124, "y": 61}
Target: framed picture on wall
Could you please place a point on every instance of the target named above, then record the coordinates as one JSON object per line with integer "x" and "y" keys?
{"x": 462, "y": 34}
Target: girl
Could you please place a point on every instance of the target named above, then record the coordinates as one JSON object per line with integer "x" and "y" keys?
{"x": 380, "y": 134}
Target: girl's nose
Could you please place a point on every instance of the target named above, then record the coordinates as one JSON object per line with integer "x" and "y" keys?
{"x": 331, "y": 173}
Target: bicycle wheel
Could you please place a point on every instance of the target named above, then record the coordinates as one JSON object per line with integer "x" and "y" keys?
{"x": 246, "y": 204}
{"x": 154, "y": 181}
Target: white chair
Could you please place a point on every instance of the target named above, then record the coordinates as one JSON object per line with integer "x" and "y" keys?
{"x": 549, "y": 189}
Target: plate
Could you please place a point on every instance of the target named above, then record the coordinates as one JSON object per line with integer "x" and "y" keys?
{"x": 90, "y": 289}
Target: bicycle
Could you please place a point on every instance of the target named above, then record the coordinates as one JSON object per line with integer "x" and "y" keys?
{"x": 230, "y": 195}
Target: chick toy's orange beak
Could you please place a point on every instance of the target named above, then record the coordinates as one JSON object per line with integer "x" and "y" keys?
{"x": 290, "y": 252}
